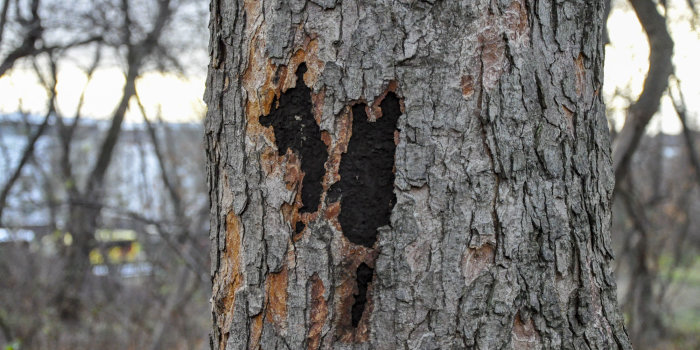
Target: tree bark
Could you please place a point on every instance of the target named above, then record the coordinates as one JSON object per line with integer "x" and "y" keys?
{"x": 410, "y": 174}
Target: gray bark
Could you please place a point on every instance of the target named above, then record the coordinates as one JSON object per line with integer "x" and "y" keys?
{"x": 499, "y": 233}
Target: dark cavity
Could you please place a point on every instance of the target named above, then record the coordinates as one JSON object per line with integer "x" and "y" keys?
{"x": 366, "y": 186}
{"x": 296, "y": 129}
{"x": 299, "y": 227}
{"x": 364, "y": 278}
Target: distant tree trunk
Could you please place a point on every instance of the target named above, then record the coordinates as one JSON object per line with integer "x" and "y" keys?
{"x": 85, "y": 206}
{"x": 410, "y": 175}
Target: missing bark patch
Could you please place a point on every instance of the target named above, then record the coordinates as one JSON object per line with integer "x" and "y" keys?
{"x": 366, "y": 185}
{"x": 318, "y": 313}
{"x": 299, "y": 227}
{"x": 364, "y": 278}
{"x": 296, "y": 129}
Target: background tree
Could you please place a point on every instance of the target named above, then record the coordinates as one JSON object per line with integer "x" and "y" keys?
{"x": 654, "y": 227}
{"x": 85, "y": 198}
{"x": 479, "y": 127}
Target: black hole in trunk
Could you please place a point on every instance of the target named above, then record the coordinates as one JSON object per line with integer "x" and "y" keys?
{"x": 364, "y": 278}
{"x": 367, "y": 173}
{"x": 296, "y": 129}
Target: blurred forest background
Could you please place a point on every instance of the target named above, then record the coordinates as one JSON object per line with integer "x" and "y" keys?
{"x": 104, "y": 205}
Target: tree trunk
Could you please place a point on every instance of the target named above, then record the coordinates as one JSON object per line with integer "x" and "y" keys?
{"x": 410, "y": 174}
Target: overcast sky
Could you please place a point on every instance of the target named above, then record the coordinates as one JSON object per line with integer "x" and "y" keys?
{"x": 180, "y": 98}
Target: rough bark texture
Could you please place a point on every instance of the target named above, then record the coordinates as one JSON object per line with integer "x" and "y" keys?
{"x": 499, "y": 194}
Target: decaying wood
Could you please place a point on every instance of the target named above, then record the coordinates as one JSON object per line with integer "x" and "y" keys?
{"x": 499, "y": 234}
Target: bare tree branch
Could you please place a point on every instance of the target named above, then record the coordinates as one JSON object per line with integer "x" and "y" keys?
{"x": 175, "y": 301}
{"x": 34, "y": 32}
{"x": 27, "y": 49}
{"x": 196, "y": 266}
{"x": 135, "y": 59}
{"x": 660, "y": 68}
{"x": 31, "y": 144}
{"x": 172, "y": 191}
{"x": 3, "y": 17}
{"x": 66, "y": 132}
{"x": 180, "y": 217}
{"x": 84, "y": 220}
{"x": 680, "y": 107}
{"x": 639, "y": 296}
